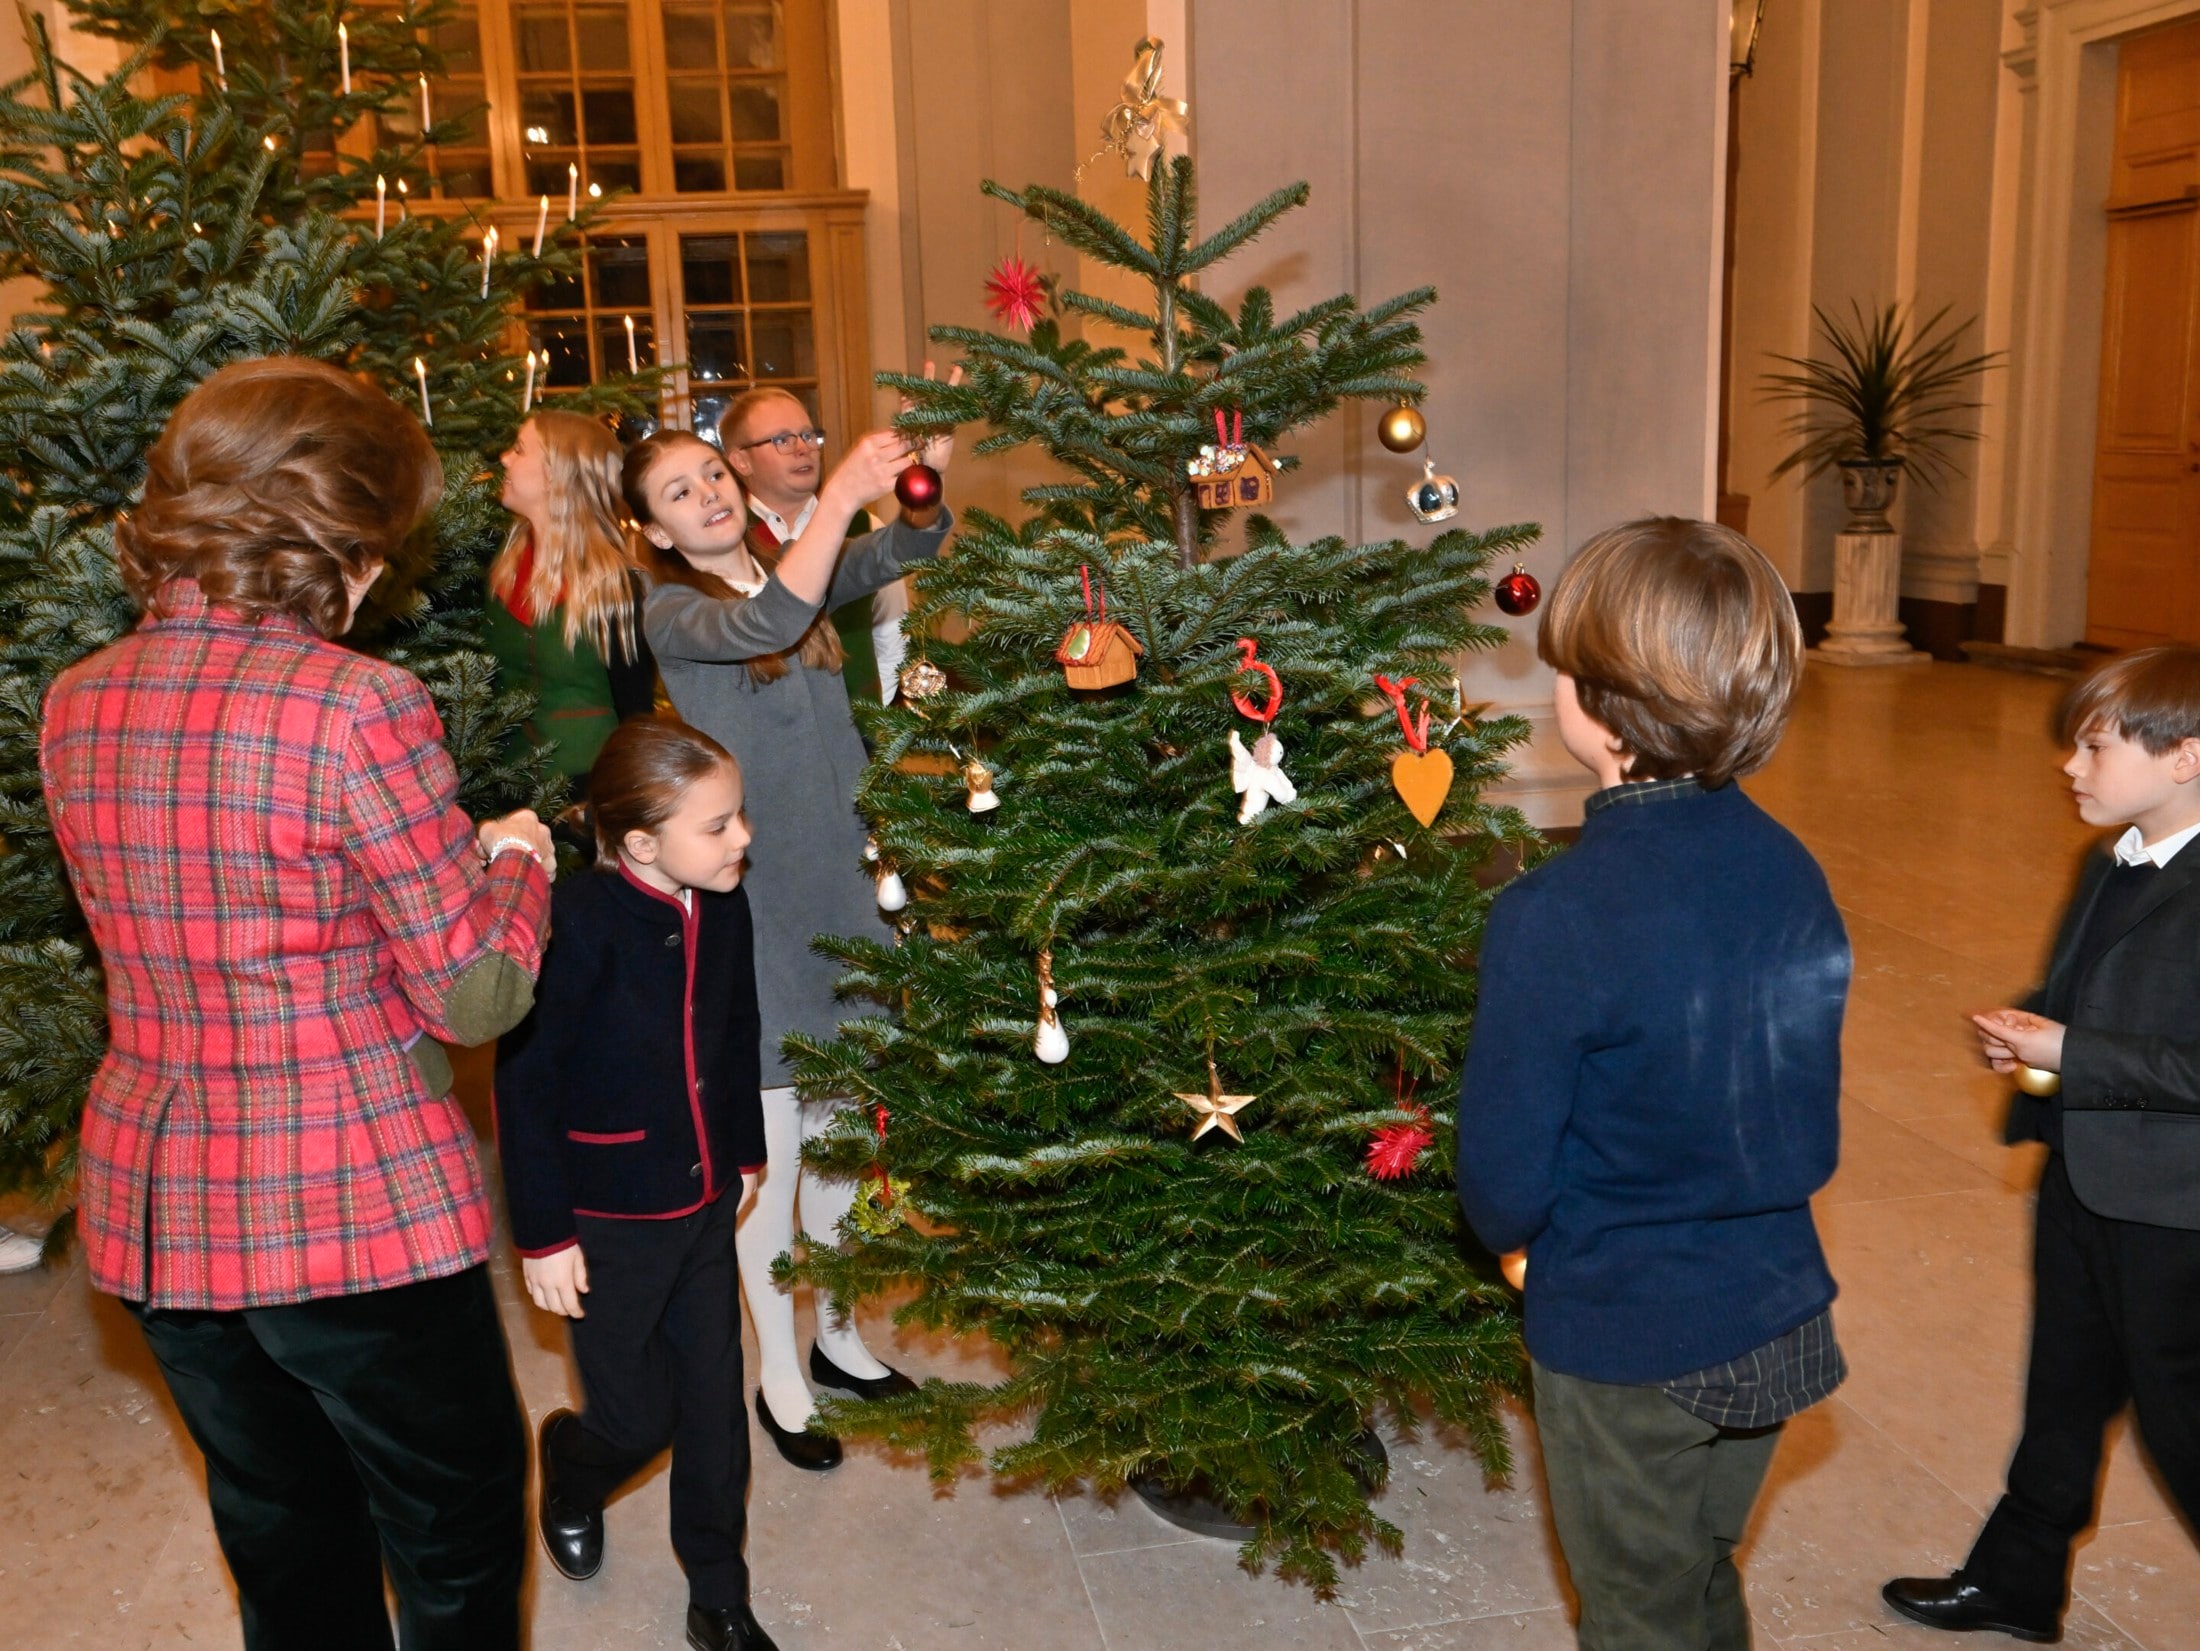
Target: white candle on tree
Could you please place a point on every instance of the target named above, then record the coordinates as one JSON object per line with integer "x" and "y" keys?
{"x": 488, "y": 256}
{"x": 420, "y": 372}
{"x": 381, "y": 203}
{"x": 343, "y": 55}
{"x": 527, "y": 396}
{"x": 404, "y": 193}
{"x": 632, "y": 365}
{"x": 427, "y": 118}
{"x": 572, "y": 189}
{"x": 221, "y": 70}
{"x": 542, "y": 220}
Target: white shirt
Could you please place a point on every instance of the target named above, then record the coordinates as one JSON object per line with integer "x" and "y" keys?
{"x": 787, "y": 531}
{"x": 2132, "y": 850}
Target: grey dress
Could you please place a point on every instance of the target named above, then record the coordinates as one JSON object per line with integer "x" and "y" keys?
{"x": 800, "y": 758}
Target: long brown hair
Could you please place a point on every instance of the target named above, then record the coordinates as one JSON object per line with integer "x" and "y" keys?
{"x": 581, "y": 562}
{"x": 642, "y": 772}
{"x": 819, "y": 647}
{"x": 273, "y": 482}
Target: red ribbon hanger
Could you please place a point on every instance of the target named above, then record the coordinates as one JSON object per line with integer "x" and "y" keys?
{"x": 1247, "y": 649}
{"x": 1084, "y": 572}
{"x": 1416, "y": 731}
{"x": 1232, "y": 435}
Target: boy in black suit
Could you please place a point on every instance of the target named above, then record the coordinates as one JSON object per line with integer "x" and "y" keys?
{"x": 2116, "y": 1268}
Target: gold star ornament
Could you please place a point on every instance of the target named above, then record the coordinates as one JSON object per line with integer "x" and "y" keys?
{"x": 1215, "y": 1109}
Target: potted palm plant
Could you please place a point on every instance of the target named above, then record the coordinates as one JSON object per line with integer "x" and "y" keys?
{"x": 1889, "y": 397}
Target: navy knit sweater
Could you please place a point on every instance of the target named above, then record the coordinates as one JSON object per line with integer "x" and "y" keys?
{"x": 1651, "y": 1094}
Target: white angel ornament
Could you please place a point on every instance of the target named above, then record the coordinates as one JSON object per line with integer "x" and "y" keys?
{"x": 1258, "y": 774}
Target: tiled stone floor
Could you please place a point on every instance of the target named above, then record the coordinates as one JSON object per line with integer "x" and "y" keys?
{"x": 1931, "y": 798}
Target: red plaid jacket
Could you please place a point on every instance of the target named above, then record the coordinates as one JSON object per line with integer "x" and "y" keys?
{"x": 262, "y": 829}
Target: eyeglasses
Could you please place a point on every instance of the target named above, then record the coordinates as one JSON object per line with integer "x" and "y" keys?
{"x": 788, "y": 440}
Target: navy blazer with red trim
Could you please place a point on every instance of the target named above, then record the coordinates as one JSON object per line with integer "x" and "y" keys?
{"x": 632, "y": 1090}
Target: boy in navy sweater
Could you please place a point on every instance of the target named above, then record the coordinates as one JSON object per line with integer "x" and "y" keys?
{"x": 1651, "y": 1092}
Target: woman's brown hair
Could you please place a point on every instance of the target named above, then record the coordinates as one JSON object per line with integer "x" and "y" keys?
{"x": 819, "y": 647}
{"x": 1682, "y": 640}
{"x": 581, "y": 564}
{"x": 642, "y": 772}
{"x": 274, "y": 482}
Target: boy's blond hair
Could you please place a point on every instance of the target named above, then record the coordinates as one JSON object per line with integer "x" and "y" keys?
{"x": 1682, "y": 640}
{"x": 2151, "y": 698}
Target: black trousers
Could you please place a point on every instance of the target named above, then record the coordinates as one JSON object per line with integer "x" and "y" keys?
{"x": 659, "y": 1350}
{"x": 345, "y": 1434}
{"x": 2116, "y": 1320}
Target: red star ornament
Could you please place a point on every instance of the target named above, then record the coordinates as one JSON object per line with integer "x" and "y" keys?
{"x": 1397, "y": 1148}
{"x": 1015, "y": 293}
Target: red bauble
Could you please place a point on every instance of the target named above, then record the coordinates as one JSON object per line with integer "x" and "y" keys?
{"x": 1517, "y": 592}
{"x": 918, "y": 487}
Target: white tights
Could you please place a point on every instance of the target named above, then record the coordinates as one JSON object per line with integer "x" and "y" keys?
{"x": 766, "y": 1232}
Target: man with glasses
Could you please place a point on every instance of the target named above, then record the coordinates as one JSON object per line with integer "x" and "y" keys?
{"x": 779, "y": 455}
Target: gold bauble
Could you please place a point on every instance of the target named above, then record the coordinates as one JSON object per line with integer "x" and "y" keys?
{"x": 2033, "y": 1081}
{"x": 1402, "y": 429}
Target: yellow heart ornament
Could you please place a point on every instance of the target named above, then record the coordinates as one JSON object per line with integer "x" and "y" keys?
{"x": 1423, "y": 781}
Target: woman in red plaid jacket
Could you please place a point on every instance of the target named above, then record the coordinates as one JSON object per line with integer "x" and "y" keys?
{"x": 262, "y": 829}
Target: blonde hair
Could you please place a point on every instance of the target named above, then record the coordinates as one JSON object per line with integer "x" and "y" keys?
{"x": 581, "y": 561}
{"x": 1682, "y": 641}
{"x": 820, "y": 645}
{"x": 738, "y": 410}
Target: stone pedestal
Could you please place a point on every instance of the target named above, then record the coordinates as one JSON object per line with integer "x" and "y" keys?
{"x": 1867, "y": 586}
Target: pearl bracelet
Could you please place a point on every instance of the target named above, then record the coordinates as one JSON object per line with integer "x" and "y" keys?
{"x": 499, "y": 845}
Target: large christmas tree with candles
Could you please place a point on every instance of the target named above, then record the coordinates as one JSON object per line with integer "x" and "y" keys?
{"x": 1191, "y": 841}
{"x": 171, "y": 232}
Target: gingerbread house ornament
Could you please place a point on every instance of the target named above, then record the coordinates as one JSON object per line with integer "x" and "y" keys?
{"x": 1231, "y": 471}
{"x": 1096, "y": 652}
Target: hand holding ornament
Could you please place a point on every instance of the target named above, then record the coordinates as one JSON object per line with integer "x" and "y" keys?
{"x": 2016, "y": 1041}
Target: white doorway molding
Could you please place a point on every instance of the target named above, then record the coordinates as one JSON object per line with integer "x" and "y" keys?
{"x": 2062, "y": 55}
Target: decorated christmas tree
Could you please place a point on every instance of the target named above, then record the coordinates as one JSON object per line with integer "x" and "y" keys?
{"x": 171, "y": 232}
{"x": 1191, "y": 836}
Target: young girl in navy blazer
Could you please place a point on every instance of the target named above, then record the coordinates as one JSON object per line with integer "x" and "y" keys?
{"x": 627, "y": 1113}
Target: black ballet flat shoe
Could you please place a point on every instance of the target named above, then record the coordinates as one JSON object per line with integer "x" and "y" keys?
{"x": 1960, "y": 1607}
{"x": 726, "y": 1628}
{"x": 828, "y": 1374}
{"x": 573, "y": 1537}
{"x": 804, "y": 1448}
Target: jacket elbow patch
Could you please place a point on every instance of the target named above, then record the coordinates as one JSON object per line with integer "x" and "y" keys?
{"x": 491, "y": 995}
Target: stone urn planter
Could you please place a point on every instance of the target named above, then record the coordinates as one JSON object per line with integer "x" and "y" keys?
{"x": 1868, "y": 489}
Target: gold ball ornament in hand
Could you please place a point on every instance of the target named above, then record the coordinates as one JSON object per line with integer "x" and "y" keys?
{"x": 2034, "y": 1081}
{"x": 1402, "y": 429}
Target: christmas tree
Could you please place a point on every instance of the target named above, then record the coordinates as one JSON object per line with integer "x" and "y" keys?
{"x": 1218, "y": 1238}
{"x": 171, "y": 232}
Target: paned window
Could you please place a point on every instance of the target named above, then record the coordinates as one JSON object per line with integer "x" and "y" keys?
{"x": 750, "y": 319}
{"x": 726, "y": 95}
{"x": 574, "y": 66}
{"x": 584, "y": 322}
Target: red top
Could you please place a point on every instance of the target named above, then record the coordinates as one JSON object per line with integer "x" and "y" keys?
{"x": 264, "y": 833}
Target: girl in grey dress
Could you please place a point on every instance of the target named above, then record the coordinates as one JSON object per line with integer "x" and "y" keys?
{"x": 749, "y": 655}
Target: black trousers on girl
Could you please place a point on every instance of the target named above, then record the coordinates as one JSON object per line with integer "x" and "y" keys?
{"x": 659, "y": 1352}
{"x": 352, "y": 1432}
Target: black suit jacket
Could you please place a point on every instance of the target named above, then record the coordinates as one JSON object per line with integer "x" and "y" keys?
{"x": 633, "y": 1087}
{"x": 2131, "y": 1055}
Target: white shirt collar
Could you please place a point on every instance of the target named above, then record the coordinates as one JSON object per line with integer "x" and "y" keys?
{"x": 786, "y": 530}
{"x": 2132, "y": 850}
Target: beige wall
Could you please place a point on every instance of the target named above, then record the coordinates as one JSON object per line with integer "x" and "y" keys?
{"x": 1552, "y": 169}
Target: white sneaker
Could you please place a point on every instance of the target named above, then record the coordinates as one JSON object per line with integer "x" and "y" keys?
{"x": 19, "y": 1252}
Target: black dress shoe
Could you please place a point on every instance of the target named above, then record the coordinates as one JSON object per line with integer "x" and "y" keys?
{"x": 806, "y": 1448}
{"x": 726, "y": 1628}
{"x": 573, "y": 1537}
{"x": 1963, "y": 1607}
{"x": 828, "y": 1374}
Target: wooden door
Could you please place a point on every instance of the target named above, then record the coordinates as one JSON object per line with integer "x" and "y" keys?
{"x": 2143, "y": 581}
